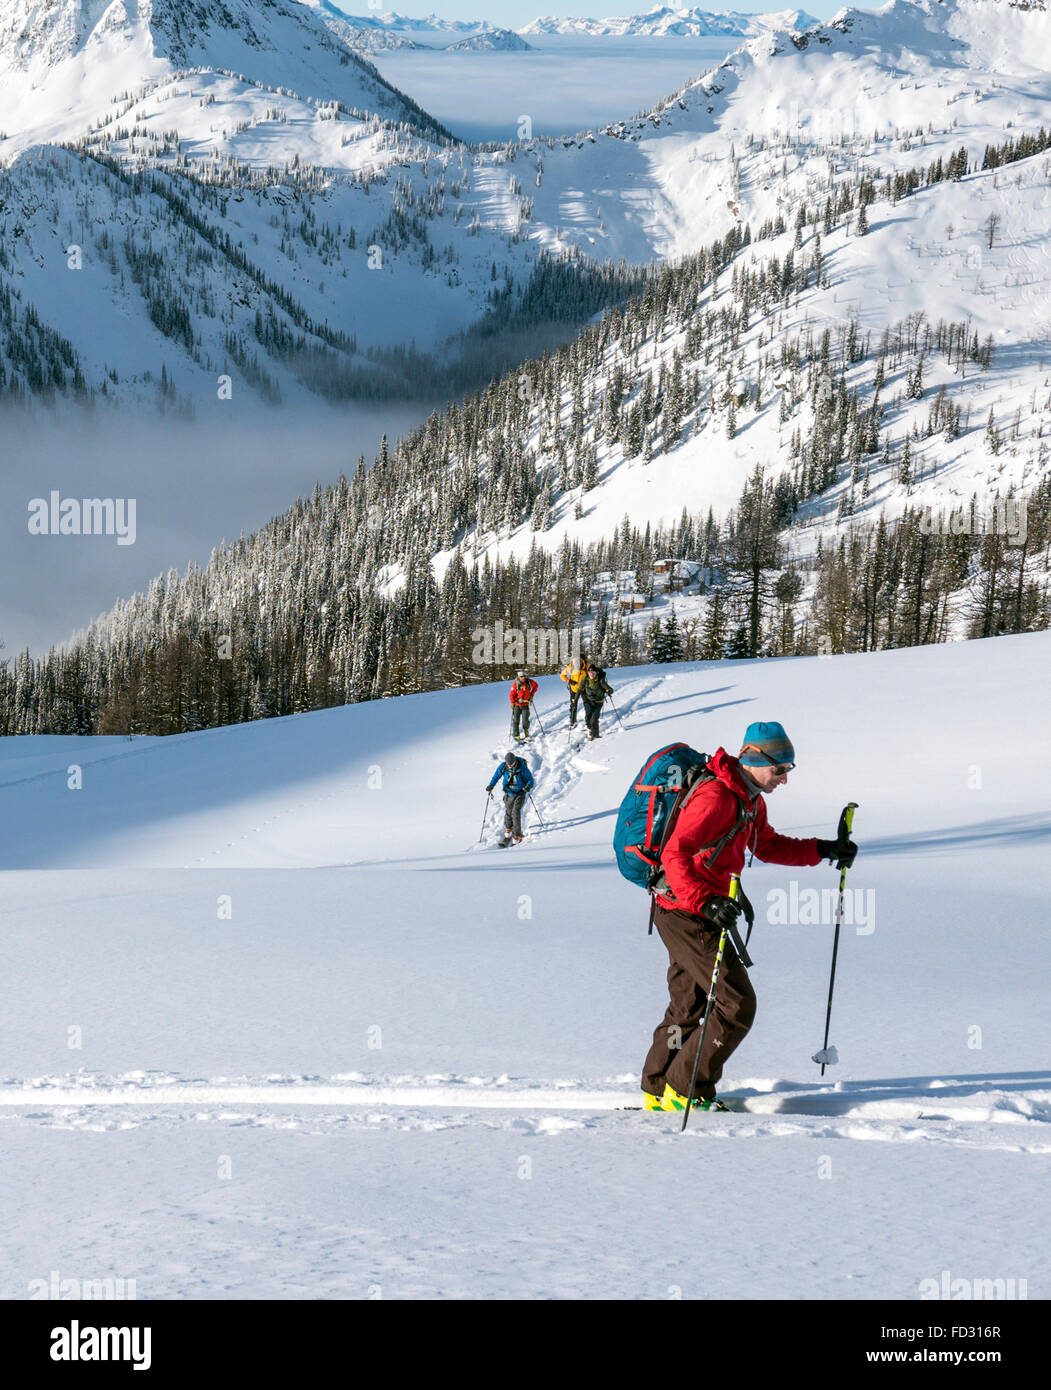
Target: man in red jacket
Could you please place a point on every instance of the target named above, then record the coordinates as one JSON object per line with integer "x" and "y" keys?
{"x": 720, "y": 819}
{"x": 522, "y": 691}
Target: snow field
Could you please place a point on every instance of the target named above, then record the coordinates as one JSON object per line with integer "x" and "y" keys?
{"x": 411, "y": 1056}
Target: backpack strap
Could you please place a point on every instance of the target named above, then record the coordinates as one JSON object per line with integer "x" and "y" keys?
{"x": 658, "y": 881}
{"x": 695, "y": 776}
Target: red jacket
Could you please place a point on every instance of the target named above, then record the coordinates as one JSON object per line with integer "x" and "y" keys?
{"x": 520, "y": 697}
{"x": 709, "y": 812}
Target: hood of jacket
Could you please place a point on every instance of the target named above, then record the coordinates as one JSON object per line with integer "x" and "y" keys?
{"x": 727, "y": 769}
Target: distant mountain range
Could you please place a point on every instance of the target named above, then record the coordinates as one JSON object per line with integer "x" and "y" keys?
{"x": 383, "y": 32}
{"x": 665, "y": 22}
{"x": 392, "y": 30}
{"x": 406, "y": 24}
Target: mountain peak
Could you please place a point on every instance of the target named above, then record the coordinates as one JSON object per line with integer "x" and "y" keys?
{"x": 64, "y": 60}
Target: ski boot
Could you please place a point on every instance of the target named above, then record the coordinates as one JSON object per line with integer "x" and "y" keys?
{"x": 671, "y": 1100}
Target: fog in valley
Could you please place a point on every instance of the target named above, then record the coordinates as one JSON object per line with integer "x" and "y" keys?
{"x": 186, "y": 486}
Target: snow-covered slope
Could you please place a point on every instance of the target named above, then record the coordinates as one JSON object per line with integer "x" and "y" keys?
{"x": 925, "y": 260}
{"x": 786, "y": 121}
{"x": 491, "y": 41}
{"x": 780, "y": 127}
{"x": 773, "y": 132}
{"x": 275, "y": 284}
{"x": 425, "y": 1012}
{"x": 295, "y": 792}
{"x": 65, "y": 64}
{"x": 869, "y": 90}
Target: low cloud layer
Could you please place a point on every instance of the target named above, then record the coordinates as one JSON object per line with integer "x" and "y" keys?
{"x": 189, "y": 486}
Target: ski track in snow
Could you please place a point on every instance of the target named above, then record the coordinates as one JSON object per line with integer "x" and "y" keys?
{"x": 556, "y": 763}
{"x": 890, "y": 1110}
{"x": 556, "y": 754}
{"x": 562, "y": 756}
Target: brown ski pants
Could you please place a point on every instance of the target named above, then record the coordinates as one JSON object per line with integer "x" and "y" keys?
{"x": 692, "y": 945}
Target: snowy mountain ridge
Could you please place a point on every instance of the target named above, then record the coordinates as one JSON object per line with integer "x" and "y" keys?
{"x": 392, "y": 21}
{"x": 64, "y": 65}
{"x": 862, "y": 92}
{"x": 664, "y": 21}
{"x": 491, "y": 41}
{"x": 46, "y": 32}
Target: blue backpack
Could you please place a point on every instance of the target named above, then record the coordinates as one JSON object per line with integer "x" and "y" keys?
{"x": 649, "y": 810}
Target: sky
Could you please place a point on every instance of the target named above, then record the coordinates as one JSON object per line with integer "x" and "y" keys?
{"x": 513, "y": 14}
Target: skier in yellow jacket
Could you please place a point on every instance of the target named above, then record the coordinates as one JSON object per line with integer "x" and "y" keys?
{"x": 574, "y": 673}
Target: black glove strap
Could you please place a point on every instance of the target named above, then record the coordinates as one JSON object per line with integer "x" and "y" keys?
{"x": 739, "y": 946}
{"x": 749, "y": 913}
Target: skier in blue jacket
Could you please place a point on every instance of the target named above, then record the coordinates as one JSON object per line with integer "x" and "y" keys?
{"x": 517, "y": 782}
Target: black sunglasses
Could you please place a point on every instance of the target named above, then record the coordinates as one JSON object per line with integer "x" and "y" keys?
{"x": 780, "y": 769}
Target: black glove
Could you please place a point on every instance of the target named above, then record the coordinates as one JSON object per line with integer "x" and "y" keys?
{"x": 721, "y": 912}
{"x": 841, "y": 852}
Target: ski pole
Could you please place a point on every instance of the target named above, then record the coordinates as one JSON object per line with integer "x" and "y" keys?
{"x": 708, "y": 1011}
{"x": 537, "y": 717}
{"x": 846, "y": 823}
{"x": 616, "y": 711}
{"x": 535, "y": 811}
{"x": 485, "y": 815}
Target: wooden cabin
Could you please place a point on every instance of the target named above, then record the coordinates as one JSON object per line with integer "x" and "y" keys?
{"x": 631, "y": 603}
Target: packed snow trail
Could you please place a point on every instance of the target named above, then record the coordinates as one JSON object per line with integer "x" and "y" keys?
{"x": 559, "y": 757}
{"x": 1008, "y": 1100}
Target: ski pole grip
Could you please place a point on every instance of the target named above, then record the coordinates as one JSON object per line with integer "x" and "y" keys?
{"x": 846, "y": 819}
{"x": 735, "y": 883}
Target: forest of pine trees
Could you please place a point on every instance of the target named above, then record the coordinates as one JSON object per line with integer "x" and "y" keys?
{"x": 277, "y": 624}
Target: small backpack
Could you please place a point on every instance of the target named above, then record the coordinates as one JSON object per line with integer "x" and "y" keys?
{"x": 649, "y": 811}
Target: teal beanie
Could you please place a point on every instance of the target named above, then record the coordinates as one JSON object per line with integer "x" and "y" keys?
{"x": 770, "y": 738}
